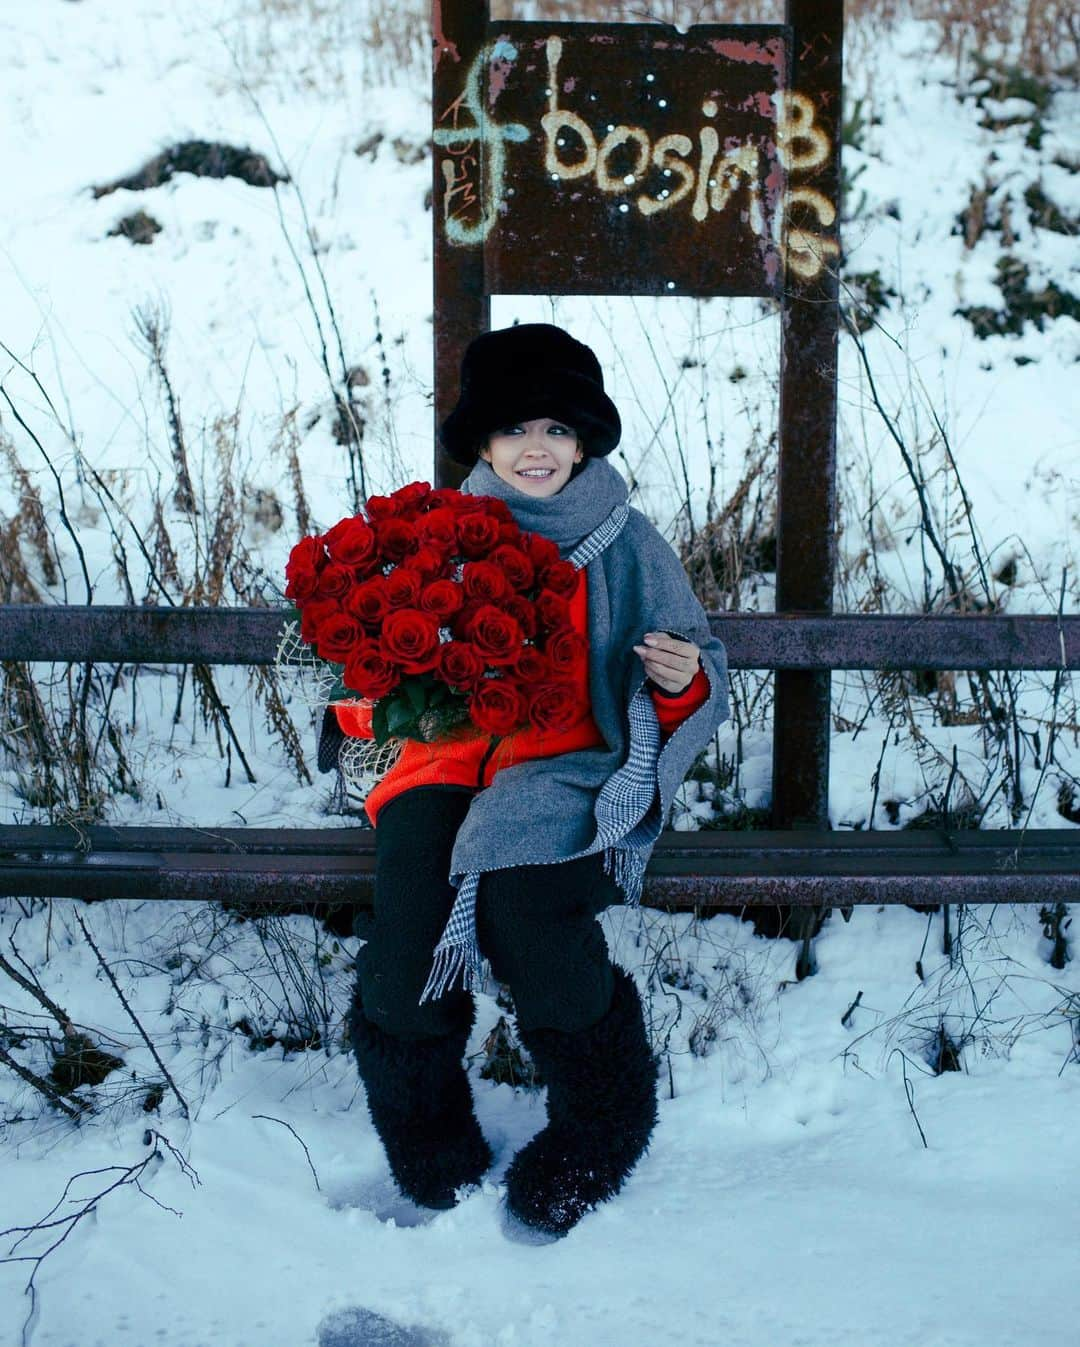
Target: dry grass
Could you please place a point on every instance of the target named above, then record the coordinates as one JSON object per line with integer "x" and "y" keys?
{"x": 69, "y": 745}
{"x": 1042, "y": 36}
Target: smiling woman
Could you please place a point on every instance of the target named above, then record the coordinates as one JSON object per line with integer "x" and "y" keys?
{"x": 623, "y": 691}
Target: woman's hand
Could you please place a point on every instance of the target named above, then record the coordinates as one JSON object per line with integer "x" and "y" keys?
{"x": 670, "y": 663}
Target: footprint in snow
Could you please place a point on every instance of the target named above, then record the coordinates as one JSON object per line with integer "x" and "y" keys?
{"x": 382, "y": 1199}
{"x": 357, "y": 1327}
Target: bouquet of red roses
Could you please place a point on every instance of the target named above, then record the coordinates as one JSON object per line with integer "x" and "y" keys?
{"x": 438, "y": 609}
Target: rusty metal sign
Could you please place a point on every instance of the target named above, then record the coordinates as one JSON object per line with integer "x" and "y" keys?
{"x": 622, "y": 159}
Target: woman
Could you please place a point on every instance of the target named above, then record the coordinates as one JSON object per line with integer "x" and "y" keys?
{"x": 511, "y": 851}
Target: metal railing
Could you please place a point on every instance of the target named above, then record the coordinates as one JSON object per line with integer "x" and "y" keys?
{"x": 703, "y": 870}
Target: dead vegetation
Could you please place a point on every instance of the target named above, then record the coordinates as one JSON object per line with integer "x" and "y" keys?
{"x": 202, "y": 159}
{"x": 67, "y": 731}
{"x": 1040, "y": 36}
{"x": 136, "y": 228}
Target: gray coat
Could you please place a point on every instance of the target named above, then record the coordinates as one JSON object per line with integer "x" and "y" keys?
{"x": 613, "y": 798}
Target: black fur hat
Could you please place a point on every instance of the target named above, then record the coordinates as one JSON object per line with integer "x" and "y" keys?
{"x": 518, "y": 373}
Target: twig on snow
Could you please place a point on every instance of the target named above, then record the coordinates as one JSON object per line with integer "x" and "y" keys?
{"x": 299, "y": 1138}
{"x": 909, "y": 1092}
{"x": 134, "y": 1018}
{"x": 129, "y": 1174}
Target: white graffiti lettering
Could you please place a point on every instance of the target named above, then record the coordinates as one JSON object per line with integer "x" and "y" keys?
{"x": 665, "y": 156}
{"x": 808, "y": 252}
{"x": 726, "y": 176}
{"x": 464, "y": 144}
{"x": 794, "y": 128}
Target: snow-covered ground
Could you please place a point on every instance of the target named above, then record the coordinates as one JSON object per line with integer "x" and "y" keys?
{"x": 789, "y": 1196}
{"x": 810, "y": 1181}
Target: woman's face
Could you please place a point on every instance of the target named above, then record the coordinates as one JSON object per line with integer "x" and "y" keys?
{"x": 535, "y": 456}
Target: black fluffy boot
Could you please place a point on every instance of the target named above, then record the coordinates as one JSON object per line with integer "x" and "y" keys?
{"x": 419, "y": 1099}
{"x": 601, "y": 1102}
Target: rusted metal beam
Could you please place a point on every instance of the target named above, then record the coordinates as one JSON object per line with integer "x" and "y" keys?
{"x": 894, "y": 641}
{"x": 704, "y": 870}
{"x": 806, "y": 490}
{"x": 753, "y": 640}
{"x": 459, "y": 192}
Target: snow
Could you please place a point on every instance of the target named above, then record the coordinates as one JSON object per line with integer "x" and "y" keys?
{"x": 788, "y": 1196}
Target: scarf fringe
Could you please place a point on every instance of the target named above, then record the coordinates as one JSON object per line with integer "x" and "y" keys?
{"x": 627, "y": 869}
{"x": 450, "y": 963}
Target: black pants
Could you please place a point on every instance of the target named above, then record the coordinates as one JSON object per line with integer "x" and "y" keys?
{"x": 536, "y": 924}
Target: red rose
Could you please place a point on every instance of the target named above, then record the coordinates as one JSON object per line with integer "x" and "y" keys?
{"x": 520, "y": 608}
{"x": 302, "y": 569}
{"x": 411, "y": 497}
{"x": 402, "y": 588}
{"x": 313, "y": 615}
{"x": 381, "y": 507}
{"x": 397, "y": 538}
{"x": 552, "y": 610}
{"x": 497, "y": 707}
{"x": 443, "y": 496}
{"x": 459, "y": 665}
{"x": 495, "y": 634}
{"x": 438, "y": 527}
{"x": 367, "y": 672}
{"x": 514, "y": 564}
{"x": 484, "y": 580}
{"x": 478, "y": 534}
{"x": 565, "y": 650}
{"x": 531, "y": 666}
{"x": 337, "y": 636}
{"x": 542, "y": 551}
{"x": 509, "y": 533}
{"x": 351, "y": 542}
{"x": 334, "y": 581}
{"x": 554, "y": 707}
{"x": 426, "y": 561}
{"x": 368, "y": 601}
{"x": 461, "y": 622}
{"x": 498, "y": 509}
{"x": 411, "y": 639}
{"x": 442, "y": 598}
{"x": 560, "y": 577}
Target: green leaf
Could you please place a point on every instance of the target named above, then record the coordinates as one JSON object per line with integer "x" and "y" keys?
{"x": 378, "y": 723}
{"x": 398, "y": 715}
{"x": 417, "y": 695}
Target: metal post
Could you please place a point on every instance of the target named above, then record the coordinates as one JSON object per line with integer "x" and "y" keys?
{"x": 461, "y": 307}
{"x": 806, "y": 541}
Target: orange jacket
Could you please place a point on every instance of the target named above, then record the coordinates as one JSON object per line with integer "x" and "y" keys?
{"x": 462, "y": 759}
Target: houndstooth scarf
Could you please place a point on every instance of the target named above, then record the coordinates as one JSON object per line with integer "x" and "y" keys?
{"x": 611, "y": 799}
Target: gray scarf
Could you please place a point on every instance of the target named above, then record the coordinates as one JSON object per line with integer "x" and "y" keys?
{"x": 613, "y": 798}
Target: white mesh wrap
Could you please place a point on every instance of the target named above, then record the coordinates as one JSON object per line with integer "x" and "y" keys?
{"x": 297, "y": 662}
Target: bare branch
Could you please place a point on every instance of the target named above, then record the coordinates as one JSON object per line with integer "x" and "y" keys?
{"x": 296, "y": 1134}
{"x": 130, "y": 1174}
{"x": 40, "y": 1083}
{"x": 134, "y": 1018}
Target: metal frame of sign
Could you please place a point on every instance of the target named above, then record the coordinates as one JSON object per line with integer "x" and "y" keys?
{"x": 621, "y": 159}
